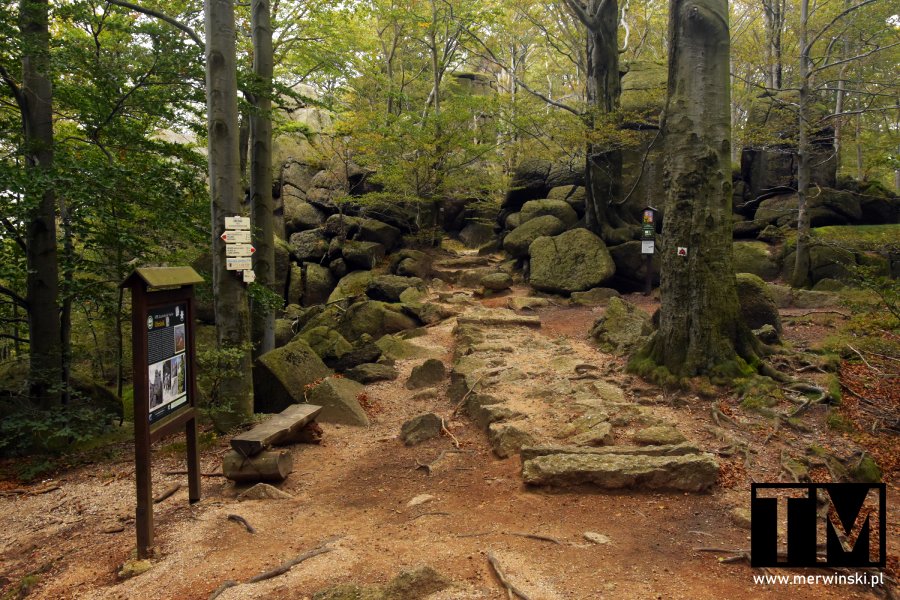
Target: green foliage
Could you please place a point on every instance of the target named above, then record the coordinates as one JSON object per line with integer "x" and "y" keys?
{"x": 866, "y": 470}
{"x": 26, "y": 430}
{"x": 263, "y": 300}
{"x": 214, "y": 366}
{"x": 838, "y": 422}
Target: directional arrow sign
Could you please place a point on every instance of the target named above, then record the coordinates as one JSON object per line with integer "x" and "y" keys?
{"x": 239, "y": 250}
{"x": 236, "y": 237}
{"x": 249, "y": 276}
{"x": 237, "y": 223}
{"x": 238, "y": 264}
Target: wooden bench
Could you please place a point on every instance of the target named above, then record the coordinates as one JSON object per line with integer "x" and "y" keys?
{"x": 249, "y": 459}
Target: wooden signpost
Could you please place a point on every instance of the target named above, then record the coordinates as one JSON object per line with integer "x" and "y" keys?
{"x": 165, "y": 390}
{"x": 648, "y": 245}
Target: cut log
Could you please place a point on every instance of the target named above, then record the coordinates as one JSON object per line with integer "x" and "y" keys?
{"x": 277, "y": 428}
{"x": 265, "y": 466}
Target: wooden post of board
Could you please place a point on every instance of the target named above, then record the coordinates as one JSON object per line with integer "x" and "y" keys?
{"x": 165, "y": 388}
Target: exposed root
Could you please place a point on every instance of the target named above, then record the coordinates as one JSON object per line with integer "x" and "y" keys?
{"x": 511, "y": 589}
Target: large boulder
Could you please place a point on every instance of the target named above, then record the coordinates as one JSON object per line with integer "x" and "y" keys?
{"x": 622, "y": 327}
{"x": 825, "y": 262}
{"x": 771, "y": 164}
{"x": 574, "y": 261}
{"x": 280, "y": 377}
{"x": 300, "y": 215}
{"x": 529, "y": 182}
{"x": 519, "y": 239}
{"x": 362, "y": 229}
{"x": 295, "y": 286}
{"x": 756, "y": 258}
{"x": 558, "y": 208}
{"x": 327, "y": 343}
{"x": 375, "y": 319}
{"x": 411, "y": 263}
{"x": 362, "y": 255}
{"x": 388, "y": 288}
{"x": 757, "y": 303}
{"x": 317, "y": 284}
{"x": 475, "y": 235}
{"x": 309, "y": 246}
{"x": 339, "y": 399}
{"x": 282, "y": 266}
{"x": 573, "y": 195}
{"x": 825, "y": 207}
{"x": 352, "y": 285}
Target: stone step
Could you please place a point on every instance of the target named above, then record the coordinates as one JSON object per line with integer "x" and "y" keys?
{"x": 687, "y": 473}
{"x": 498, "y": 317}
{"x": 532, "y": 452}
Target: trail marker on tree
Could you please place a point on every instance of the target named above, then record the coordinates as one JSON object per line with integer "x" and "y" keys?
{"x": 165, "y": 390}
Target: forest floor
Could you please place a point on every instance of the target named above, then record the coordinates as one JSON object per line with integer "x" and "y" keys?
{"x": 354, "y": 492}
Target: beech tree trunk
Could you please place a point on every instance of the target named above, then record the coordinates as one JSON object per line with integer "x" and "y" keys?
{"x": 261, "y": 173}
{"x": 42, "y": 294}
{"x": 603, "y": 165}
{"x": 229, "y": 294}
{"x": 800, "y": 276}
{"x": 700, "y": 331}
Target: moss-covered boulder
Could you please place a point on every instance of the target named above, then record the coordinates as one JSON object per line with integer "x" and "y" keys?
{"x": 327, "y": 343}
{"x": 362, "y": 255}
{"x": 284, "y": 332}
{"x": 574, "y": 261}
{"x": 352, "y": 285}
{"x": 411, "y": 263}
{"x": 309, "y": 246}
{"x": 300, "y": 215}
{"x": 756, "y": 258}
{"x": 282, "y": 266}
{"x": 496, "y": 282}
{"x": 557, "y": 208}
{"x": 375, "y": 319}
{"x": 371, "y": 372}
{"x": 622, "y": 327}
{"x": 573, "y": 195}
{"x": 389, "y": 288}
{"x": 318, "y": 283}
{"x": 362, "y": 229}
{"x": 825, "y": 261}
{"x": 295, "y": 286}
{"x": 758, "y": 306}
{"x": 280, "y": 377}
{"x": 519, "y": 239}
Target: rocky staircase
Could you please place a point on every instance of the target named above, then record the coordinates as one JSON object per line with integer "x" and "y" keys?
{"x": 547, "y": 400}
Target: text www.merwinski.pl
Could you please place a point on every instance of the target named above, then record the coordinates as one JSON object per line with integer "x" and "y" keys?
{"x": 866, "y": 579}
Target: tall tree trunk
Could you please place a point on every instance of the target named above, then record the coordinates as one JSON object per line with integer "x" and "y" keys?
{"x": 700, "y": 330}
{"x": 229, "y": 296}
{"x": 773, "y": 10}
{"x": 603, "y": 165}
{"x": 261, "y": 174}
{"x": 800, "y": 276}
{"x": 42, "y": 293}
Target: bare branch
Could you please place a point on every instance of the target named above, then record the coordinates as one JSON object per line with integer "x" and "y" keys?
{"x": 162, "y": 17}
{"x": 852, "y": 58}
{"x": 837, "y": 18}
{"x": 16, "y": 298}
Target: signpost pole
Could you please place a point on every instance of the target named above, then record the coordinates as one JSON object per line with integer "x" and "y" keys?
{"x": 648, "y": 267}
{"x": 648, "y": 245}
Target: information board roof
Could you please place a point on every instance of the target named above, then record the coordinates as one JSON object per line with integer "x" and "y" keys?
{"x": 163, "y": 277}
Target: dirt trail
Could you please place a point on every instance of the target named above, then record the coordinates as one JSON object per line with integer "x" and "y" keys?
{"x": 358, "y": 484}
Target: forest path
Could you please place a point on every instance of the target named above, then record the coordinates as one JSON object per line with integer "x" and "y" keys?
{"x": 359, "y": 484}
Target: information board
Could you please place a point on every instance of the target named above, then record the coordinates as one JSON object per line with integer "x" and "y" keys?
{"x": 167, "y": 364}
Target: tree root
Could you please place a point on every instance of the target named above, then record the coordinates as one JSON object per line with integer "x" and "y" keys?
{"x": 280, "y": 569}
{"x": 511, "y": 589}
{"x": 537, "y": 536}
{"x": 241, "y": 520}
